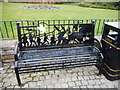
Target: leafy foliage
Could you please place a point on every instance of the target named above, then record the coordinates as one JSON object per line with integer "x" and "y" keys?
{"x": 102, "y": 5}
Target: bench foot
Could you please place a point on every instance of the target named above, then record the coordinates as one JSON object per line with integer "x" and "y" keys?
{"x": 99, "y": 67}
{"x": 99, "y": 73}
{"x": 21, "y": 85}
{"x": 18, "y": 77}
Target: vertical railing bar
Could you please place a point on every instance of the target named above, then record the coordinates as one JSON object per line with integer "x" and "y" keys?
{"x": 73, "y": 21}
{"x": 63, "y": 21}
{"x": 49, "y": 27}
{"x": 102, "y": 27}
{"x": 98, "y": 27}
{"x": 112, "y": 20}
{"x": 22, "y": 23}
{"x": 37, "y": 29}
{"x": 53, "y": 28}
{"x": 102, "y": 24}
{"x": 22, "y": 28}
{"x": 59, "y": 23}
{"x": 69, "y": 22}
{"x": 82, "y": 21}
{"x": 6, "y": 29}
{"x": 108, "y": 20}
{"x": 28, "y": 23}
{"x": 12, "y": 29}
{"x": 38, "y": 22}
{"x": 43, "y": 26}
{"x": 43, "y": 23}
{"x": 1, "y": 32}
{"x": 33, "y": 24}
{"x": 91, "y": 20}
{"x": 78, "y": 22}
{"x": 95, "y": 26}
{"x": 86, "y": 21}
{"x": 116, "y": 20}
{"x": 16, "y": 29}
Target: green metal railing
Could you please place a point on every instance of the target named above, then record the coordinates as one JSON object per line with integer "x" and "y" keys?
{"x": 8, "y": 29}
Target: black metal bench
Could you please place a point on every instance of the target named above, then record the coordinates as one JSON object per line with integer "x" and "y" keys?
{"x": 64, "y": 48}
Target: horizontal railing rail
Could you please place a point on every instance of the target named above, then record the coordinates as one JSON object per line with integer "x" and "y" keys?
{"x": 8, "y": 28}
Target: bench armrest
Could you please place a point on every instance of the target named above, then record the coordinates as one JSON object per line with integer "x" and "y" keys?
{"x": 16, "y": 49}
{"x": 98, "y": 42}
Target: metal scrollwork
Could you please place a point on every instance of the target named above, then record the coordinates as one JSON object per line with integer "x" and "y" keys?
{"x": 39, "y": 41}
{"x": 76, "y": 36}
{"x": 72, "y": 34}
{"x": 61, "y": 38}
{"x": 24, "y": 40}
{"x": 53, "y": 41}
{"x": 45, "y": 40}
{"x": 32, "y": 42}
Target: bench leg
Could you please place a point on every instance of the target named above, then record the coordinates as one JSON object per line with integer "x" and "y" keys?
{"x": 99, "y": 73}
{"x": 18, "y": 77}
{"x": 100, "y": 70}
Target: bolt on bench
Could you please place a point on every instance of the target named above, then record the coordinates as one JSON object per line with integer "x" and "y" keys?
{"x": 66, "y": 46}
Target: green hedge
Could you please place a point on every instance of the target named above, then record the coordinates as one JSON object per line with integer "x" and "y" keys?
{"x": 101, "y": 5}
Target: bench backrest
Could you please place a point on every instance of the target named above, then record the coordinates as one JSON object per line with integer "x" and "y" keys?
{"x": 31, "y": 37}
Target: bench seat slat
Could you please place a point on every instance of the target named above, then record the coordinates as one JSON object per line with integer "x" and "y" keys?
{"x": 53, "y": 63}
{"x": 84, "y": 55}
{"x": 54, "y": 66}
{"x": 69, "y": 66}
{"x": 48, "y": 61}
{"x": 57, "y": 52}
{"x": 60, "y": 65}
